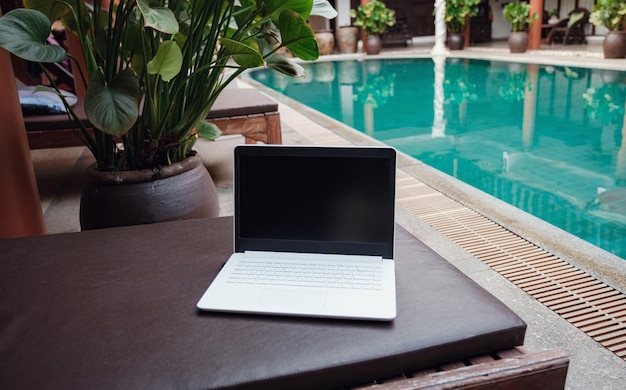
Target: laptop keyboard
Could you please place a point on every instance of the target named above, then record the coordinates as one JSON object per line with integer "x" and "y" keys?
{"x": 314, "y": 274}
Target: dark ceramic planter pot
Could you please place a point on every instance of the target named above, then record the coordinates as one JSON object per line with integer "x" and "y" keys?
{"x": 614, "y": 44}
{"x": 183, "y": 190}
{"x": 456, "y": 41}
{"x": 518, "y": 42}
{"x": 373, "y": 44}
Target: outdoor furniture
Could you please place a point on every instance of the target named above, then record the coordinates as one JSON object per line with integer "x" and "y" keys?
{"x": 512, "y": 369}
{"x": 545, "y": 31}
{"x": 398, "y": 34}
{"x": 115, "y": 308}
{"x": 570, "y": 30}
{"x": 248, "y": 112}
{"x": 244, "y": 111}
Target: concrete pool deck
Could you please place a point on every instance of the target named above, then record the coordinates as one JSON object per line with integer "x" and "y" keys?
{"x": 60, "y": 174}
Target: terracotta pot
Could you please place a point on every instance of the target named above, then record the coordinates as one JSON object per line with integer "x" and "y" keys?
{"x": 373, "y": 44}
{"x": 518, "y": 42}
{"x": 325, "y": 42}
{"x": 614, "y": 44}
{"x": 183, "y": 190}
{"x": 347, "y": 39}
{"x": 456, "y": 41}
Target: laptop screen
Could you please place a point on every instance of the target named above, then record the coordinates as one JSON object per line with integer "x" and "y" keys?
{"x": 315, "y": 199}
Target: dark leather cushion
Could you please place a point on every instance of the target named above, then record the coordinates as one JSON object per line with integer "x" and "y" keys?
{"x": 115, "y": 309}
{"x": 241, "y": 102}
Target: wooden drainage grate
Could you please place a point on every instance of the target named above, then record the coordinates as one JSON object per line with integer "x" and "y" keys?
{"x": 586, "y": 302}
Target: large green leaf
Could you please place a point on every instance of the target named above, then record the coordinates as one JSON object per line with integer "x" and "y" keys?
{"x": 56, "y": 10}
{"x": 159, "y": 18}
{"x": 23, "y": 32}
{"x": 167, "y": 62}
{"x": 244, "y": 55}
{"x": 297, "y": 36}
{"x": 276, "y": 7}
{"x": 114, "y": 107}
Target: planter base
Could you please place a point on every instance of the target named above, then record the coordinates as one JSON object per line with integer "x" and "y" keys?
{"x": 456, "y": 41}
{"x": 518, "y": 42}
{"x": 614, "y": 44}
{"x": 183, "y": 190}
{"x": 373, "y": 44}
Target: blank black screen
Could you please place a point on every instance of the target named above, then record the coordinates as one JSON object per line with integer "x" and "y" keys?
{"x": 311, "y": 199}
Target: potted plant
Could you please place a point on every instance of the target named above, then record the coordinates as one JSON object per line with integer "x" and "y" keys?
{"x": 457, "y": 14}
{"x": 553, "y": 16}
{"x": 610, "y": 15}
{"x": 374, "y": 17}
{"x": 153, "y": 69}
{"x": 518, "y": 15}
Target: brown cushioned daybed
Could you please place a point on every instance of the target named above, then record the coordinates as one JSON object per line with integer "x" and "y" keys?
{"x": 115, "y": 309}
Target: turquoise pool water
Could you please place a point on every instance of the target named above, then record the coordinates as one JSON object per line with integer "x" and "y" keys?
{"x": 549, "y": 140}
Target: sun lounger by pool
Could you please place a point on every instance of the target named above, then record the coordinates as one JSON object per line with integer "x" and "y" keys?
{"x": 244, "y": 111}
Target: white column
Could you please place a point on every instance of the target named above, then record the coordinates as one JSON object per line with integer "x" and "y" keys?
{"x": 440, "y": 28}
{"x": 343, "y": 10}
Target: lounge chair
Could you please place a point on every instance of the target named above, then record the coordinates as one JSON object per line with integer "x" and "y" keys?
{"x": 398, "y": 34}
{"x": 571, "y": 29}
{"x": 244, "y": 111}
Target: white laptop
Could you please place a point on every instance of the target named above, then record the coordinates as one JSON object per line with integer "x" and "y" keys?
{"x": 313, "y": 234}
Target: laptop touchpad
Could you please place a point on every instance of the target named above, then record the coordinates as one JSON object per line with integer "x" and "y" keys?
{"x": 293, "y": 298}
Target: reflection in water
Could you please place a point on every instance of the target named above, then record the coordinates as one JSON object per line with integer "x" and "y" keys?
{"x": 530, "y": 106}
{"x": 546, "y": 139}
{"x": 376, "y": 89}
{"x": 514, "y": 88}
{"x": 459, "y": 89}
{"x": 605, "y": 103}
{"x": 439, "y": 123}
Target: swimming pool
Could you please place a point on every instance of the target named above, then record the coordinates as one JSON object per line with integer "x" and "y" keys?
{"x": 549, "y": 140}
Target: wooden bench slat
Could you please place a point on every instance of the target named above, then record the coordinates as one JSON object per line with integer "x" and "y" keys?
{"x": 540, "y": 370}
